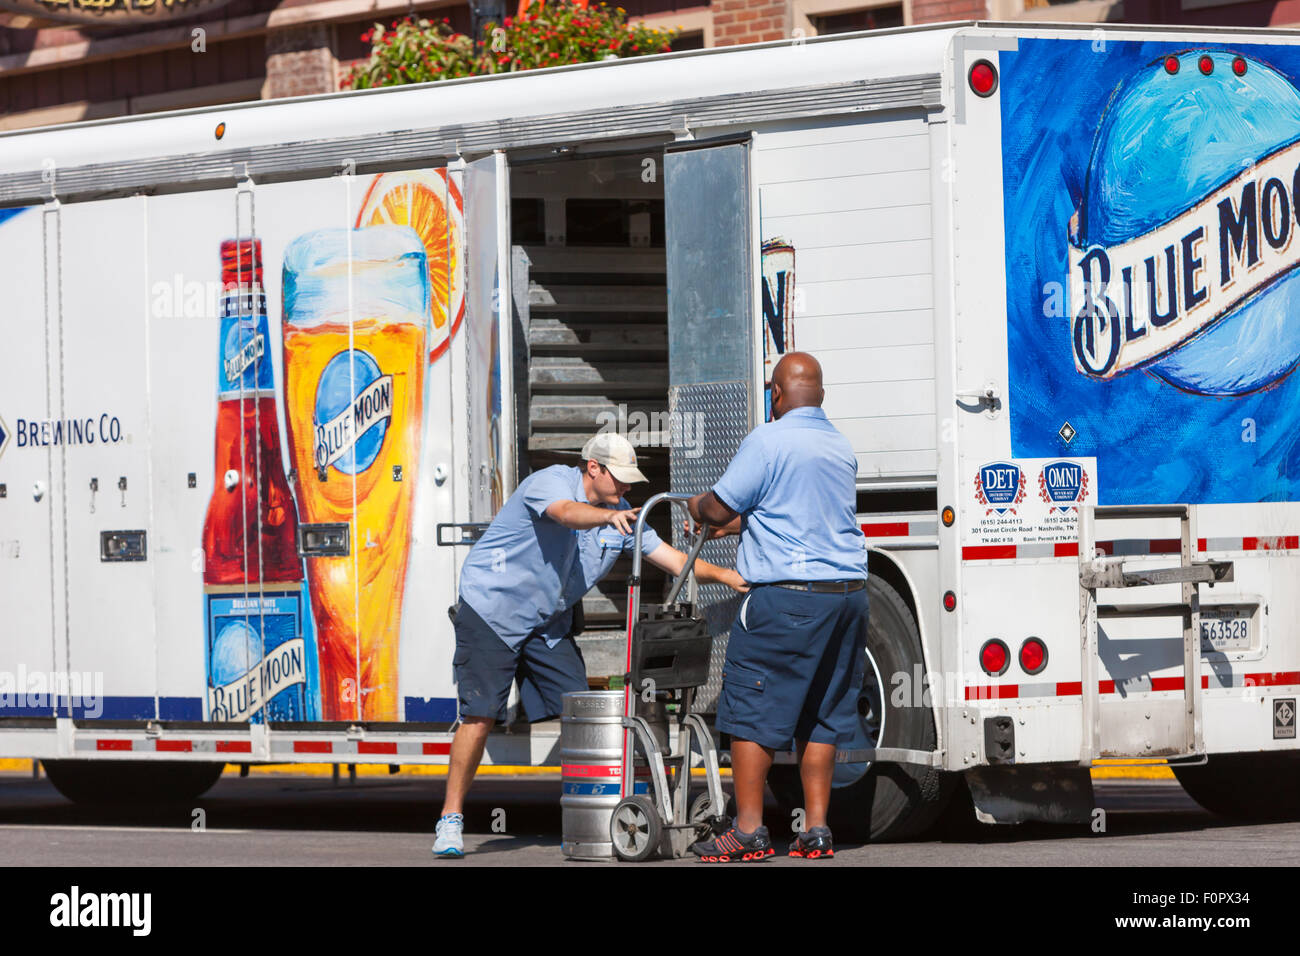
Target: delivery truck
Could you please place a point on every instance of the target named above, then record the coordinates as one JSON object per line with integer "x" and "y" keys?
{"x": 268, "y": 368}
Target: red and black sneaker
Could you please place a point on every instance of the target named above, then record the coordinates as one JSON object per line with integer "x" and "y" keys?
{"x": 813, "y": 845}
{"x": 734, "y": 846}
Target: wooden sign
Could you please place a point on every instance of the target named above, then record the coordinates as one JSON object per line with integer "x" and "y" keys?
{"x": 109, "y": 11}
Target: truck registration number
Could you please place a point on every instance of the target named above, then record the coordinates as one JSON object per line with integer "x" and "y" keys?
{"x": 1225, "y": 629}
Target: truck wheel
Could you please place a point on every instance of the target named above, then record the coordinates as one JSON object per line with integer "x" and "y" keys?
{"x": 878, "y": 801}
{"x": 128, "y": 782}
{"x": 1244, "y": 786}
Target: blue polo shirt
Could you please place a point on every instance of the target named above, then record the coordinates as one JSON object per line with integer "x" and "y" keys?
{"x": 794, "y": 482}
{"x": 528, "y": 571}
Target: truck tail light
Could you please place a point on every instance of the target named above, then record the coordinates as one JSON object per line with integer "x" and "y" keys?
{"x": 1033, "y": 656}
{"x": 983, "y": 78}
{"x": 995, "y": 658}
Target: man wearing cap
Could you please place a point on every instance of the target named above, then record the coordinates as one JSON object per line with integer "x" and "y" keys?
{"x": 557, "y": 535}
{"x": 794, "y": 659}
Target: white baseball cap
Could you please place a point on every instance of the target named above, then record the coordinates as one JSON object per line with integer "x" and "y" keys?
{"x": 616, "y": 453}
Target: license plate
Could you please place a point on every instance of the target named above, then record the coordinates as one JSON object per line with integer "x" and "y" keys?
{"x": 1226, "y": 629}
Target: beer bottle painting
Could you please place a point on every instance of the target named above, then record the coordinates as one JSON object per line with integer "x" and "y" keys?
{"x": 256, "y": 656}
{"x": 356, "y": 321}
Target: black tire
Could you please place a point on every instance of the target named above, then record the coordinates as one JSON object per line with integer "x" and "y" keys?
{"x": 711, "y": 822}
{"x": 1251, "y": 786}
{"x": 881, "y": 802}
{"x": 131, "y": 782}
{"x": 958, "y": 823}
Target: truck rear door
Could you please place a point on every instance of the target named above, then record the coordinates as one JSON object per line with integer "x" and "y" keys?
{"x": 27, "y": 578}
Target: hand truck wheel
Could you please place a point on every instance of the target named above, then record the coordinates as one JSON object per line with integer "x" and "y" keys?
{"x": 635, "y": 829}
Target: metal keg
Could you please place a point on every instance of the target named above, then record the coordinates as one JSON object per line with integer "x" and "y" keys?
{"x": 591, "y": 754}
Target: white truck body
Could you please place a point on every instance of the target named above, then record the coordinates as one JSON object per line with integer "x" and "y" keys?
{"x": 941, "y": 239}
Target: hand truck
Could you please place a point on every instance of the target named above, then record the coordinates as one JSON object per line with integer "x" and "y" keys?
{"x": 668, "y": 650}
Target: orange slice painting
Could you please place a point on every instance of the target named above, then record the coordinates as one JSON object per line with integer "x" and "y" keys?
{"x": 428, "y": 202}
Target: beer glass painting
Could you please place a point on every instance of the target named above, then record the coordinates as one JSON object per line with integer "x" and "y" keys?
{"x": 356, "y": 320}
{"x": 428, "y": 201}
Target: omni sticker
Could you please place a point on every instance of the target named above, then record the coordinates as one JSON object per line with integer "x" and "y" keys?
{"x": 1063, "y": 484}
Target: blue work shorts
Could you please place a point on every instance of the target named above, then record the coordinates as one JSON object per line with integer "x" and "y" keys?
{"x": 794, "y": 667}
{"x": 485, "y": 665}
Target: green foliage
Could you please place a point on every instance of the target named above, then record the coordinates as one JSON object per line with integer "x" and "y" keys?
{"x": 550, "y": 33}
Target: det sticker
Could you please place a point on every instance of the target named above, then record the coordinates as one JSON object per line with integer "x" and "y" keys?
{"x": 1028, "y": 501}
{"x": 998, "y": 484}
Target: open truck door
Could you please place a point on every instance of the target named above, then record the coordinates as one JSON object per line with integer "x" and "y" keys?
{"x": 711, "y": 344}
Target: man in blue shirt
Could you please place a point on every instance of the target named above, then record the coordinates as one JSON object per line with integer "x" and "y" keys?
{"x": 795, "y": 656}
{"x": 557, "y": 535}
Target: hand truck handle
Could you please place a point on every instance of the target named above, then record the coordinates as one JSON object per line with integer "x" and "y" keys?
{"x": 689, "y": 567}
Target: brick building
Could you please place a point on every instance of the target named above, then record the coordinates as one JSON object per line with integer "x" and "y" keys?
{"x": 255, "y": 49}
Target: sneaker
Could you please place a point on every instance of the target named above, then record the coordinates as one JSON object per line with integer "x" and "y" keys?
{"x": 733, "y": 846}
{"x": 813, "y": 845}
{"x": 451, "y": 840}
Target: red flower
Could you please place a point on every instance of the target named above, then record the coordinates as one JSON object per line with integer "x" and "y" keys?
{"x": 508, "y": 21}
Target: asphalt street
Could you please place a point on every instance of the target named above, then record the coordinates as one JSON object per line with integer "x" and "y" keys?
{"x": 376, "y": 821}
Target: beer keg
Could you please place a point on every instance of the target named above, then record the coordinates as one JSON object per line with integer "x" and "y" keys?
{"x": 591, "y": 754}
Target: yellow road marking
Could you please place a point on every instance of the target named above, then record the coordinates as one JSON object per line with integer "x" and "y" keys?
{"x": 9, "y": 765}
{"x": 1103, "y": 770}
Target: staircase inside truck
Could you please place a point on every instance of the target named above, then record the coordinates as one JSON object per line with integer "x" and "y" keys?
{"x": 591, "y": 347}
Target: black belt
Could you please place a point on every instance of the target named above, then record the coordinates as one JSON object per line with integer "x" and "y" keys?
{"x": 819, "y": 587}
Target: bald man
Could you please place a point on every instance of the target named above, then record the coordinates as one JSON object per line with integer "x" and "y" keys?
{"x": 794, "y": 661}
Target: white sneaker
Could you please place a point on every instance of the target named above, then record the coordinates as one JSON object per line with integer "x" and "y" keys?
{"x": 450, "y": 840}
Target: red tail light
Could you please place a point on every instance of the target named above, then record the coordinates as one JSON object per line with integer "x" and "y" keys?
{"x": 983, "y": 78}
{"x": 995, "y": 658}
{"x": 1033, "y": 656}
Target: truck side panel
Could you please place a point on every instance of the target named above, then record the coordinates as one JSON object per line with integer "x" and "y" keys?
{"x": 142, "y": 359}
{"x": 183, "y": 303}
{"x": 26, "y": 578}
{"x": 106, "y": 445}
{"x": 845, "y": 213}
